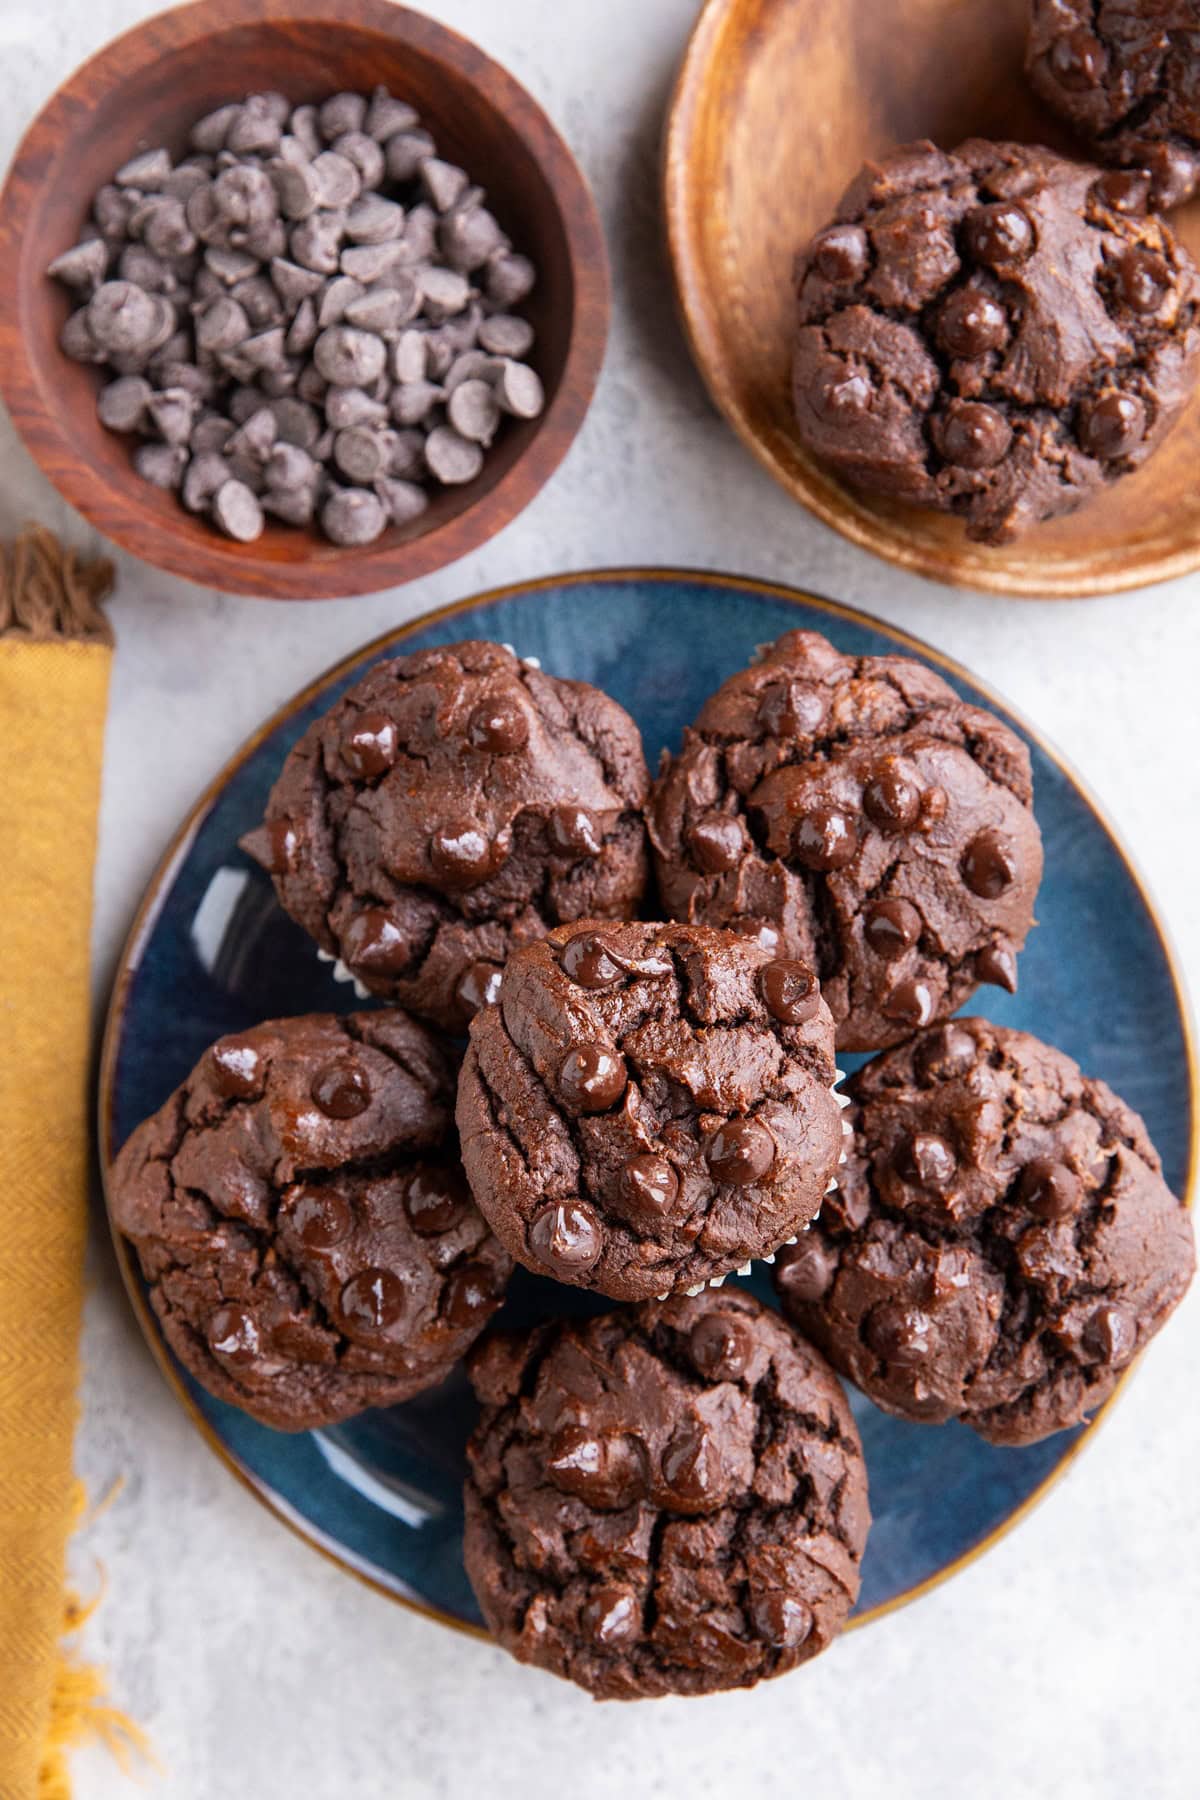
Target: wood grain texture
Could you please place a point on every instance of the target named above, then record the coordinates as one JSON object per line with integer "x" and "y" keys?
{"x": 148, "y": 87}
{"x": 778, "y": 104}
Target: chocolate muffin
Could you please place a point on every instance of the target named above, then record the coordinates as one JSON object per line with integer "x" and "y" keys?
{"x": 648, "y": 1107}
{"x": 853, "y": 813}
{"x": 670, "y": 1500}
{"x": 302, "y": 1221}
{"x": 1001, "y": 1244}
{"x": 996, "y": 333}
{"x": 452, "y": 806}
{"x": 1126, "y": 74}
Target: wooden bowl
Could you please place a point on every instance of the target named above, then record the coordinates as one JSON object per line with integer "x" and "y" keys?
{"x": 778, "y": 104}
{"x": 148, "y": 87}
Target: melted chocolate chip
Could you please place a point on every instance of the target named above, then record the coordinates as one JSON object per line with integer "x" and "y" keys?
{"x": 780, "y": 1620}
{"x": 971, "y": 323}
{"x": 566, "y": 1238}
{"x": 926, "y": 1160}
{"x": 649, "y": 1188}
{"x": 759, "y": 931}
{"x": 280, "y": 852}
{"x": 604, "y": 1468}
{"x": 374, "y": 943}
{"x": 691, "y": 1468}
{"x": 1143, "y": 280}
{"x": 1124, "y": 190}
{"x": 478, "y": 986}
{"x": 891, "y": 798}
{"x": 576, "y": 832}
{"x": 371, "y": 746}
{"x": 891, "y": 927}
{"x": 716, "y": 843}
{"x": 591, "y": 1078}
{"x": 999, "y": 235}
{"x": 233, "y": 1336}
{"x": 435, "y": 1201}
{"x": 1110, "y": 1334}
{"x": 790, "y": 991}
{"x": 841, "y": 254}
{"x": 1112, "y": 425}
{"x": 587, "y": 960}
{"x": 321, "y": 1216}
{"x": 461, "y": 855}
{"x": 825, "y": 838}
{"x": 974, "y": 436}
{"x": 237, "y": 1068}
{"x": 1051, "y": 1190}
{"x": 611, "y": 1616}
{"x": 791, "y": 711}
{"x": 988, "y": 867}
{"x": 470, "y": 1298}
{"x": 836, "y": 397}
{"x": 740, "y": 1153}
{"x": 499, "y": 726}
{"x": 341, "y": 1090}
{"x": 720, "y": 1346}
{"x": 372, "y": 1301}
{"x": 899, "y": 1335}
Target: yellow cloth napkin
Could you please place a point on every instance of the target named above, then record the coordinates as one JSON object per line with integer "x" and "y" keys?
{"x": 55, "y": 652}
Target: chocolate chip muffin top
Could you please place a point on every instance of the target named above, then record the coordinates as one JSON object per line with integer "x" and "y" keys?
{"x": 1126, "y": 73}
{"x": 648, "y": 1106}
{"x": 302, "y": 1220}
{"x": 995, "y": 333}
{"x": 1001, "y": 1244}
{"x": 454, "y": 804}
{"x": 853, "y": 813}
{"x": 670, "y": 1500}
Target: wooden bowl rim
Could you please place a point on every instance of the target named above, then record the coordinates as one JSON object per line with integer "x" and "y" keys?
{"x": 1017, "y": 573}
{"x": 120, "y": 513}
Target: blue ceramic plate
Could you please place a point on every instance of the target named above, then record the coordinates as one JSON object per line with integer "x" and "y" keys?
{"x": 211, "y": 952}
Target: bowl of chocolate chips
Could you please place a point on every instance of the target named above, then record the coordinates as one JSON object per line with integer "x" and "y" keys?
{"x": 303, "y": 298}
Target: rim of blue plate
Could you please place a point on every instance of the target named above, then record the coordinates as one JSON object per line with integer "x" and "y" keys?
{"x": 145, "y": 918}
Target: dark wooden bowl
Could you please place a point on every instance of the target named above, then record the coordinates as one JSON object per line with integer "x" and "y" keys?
{"x": 148, "y": 87}
{"x": 778, "y": 104}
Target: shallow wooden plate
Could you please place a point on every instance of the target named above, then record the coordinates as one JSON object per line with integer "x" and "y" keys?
{"x": 778, "y": 104}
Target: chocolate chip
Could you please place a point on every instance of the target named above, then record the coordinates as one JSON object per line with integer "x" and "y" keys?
{"x": 946, "y": 1053}
{"x": 988, "y": 868}
{"x": 899, "y": 1335}
{"x": 474, "y": 411}
{"x": 649, "y": 1185}
{"x": 780, "y": 1620}
{"x": 342, "y": 1090}
{"x": 478, "y": 987}
{"x": 436, "y": 1200}
{"x": 470, "y": 1297}
{"x": 790, "y": 991}
{"x": 505, "y": 334}
{"x": 805, "y": 1272}
{"x": 1051, "y": 1190}
{"x": 926, "y": 1160}
{"x": 362, "y": 150}
{"x": 519, "y": 391}
{"x": 371, "y": 747}
{"x": 233, "y": 1335}
{"x": 575, "y": 831}
{"x": 971, "y": 323}
{"x": 996, "y": 966}
{"x": 461, "y": 854}
{"x": 841, "y": 254}
{"x": 372, "y": 1302}
{"x": 691, "y": 1467}
{"x": 825, "y": 838}
{"x": 740, "y": 1153}
{"x": 83, "y": 267}
{"x": 122, "y": 404}
{"x": 404, "y": 500}
{"x": 237, "y": 1068}
{"x": 720, "y": 1346}
{"x": 509, "y": 280}
{"x": 353, "y": 517}
{"x": 586, "y": 959}
{"x": 386, "y": 116}
{"x": 611, "y": 1616}
{"x": 716, "y": 843}
{"x": 910, "y": 1003}
{"x": 1000, "y": 235}
{"x": 321, "y": 1216}
{"x": 450, "y": 458}
{"x": 499, "y": 726}
{"x": 406, "y": 151}
{"x": 1112, "y": 424}
{"x": 591, "y": 1078}
{"x": 1143, "y": 280}
{"x": 566, "y": 1238}
{"x": 891, "y": 927}
{"x": 974, "y": 436}
{"x": 1110, "y": 1334}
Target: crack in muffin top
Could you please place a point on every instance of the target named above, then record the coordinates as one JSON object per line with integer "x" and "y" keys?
{"x": 1126, "y": 74}
{"x": 303, "y": 1223}
{"x": 648, "y": 1107}
{"x": 854, "y": 813}
{"x": 995, "y": 333}
{"x": 1002, "y": 1243}
{"x": 453, "y": 804}
{"x": 667, "y": 1500}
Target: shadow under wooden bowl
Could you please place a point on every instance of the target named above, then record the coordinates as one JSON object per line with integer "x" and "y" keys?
{"x": 778, "y": 104}
{"x": 148, "y": 87}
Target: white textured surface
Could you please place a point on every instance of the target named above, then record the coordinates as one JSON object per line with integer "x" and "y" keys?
{"x": 1063, "y": 1663}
